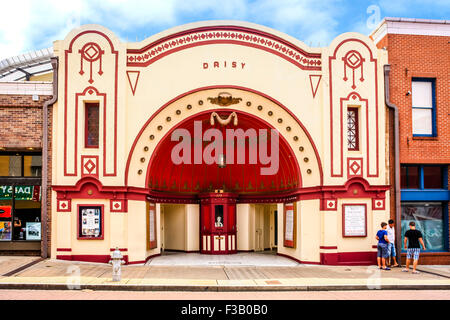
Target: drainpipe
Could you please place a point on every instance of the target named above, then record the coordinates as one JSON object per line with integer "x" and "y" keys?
{"x": 44, "y": 207}
{"x": 390, "y": 105}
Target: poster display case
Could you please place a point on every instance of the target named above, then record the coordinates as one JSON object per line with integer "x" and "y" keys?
{"x": 354, "y": 220}
{"x": 290, "y": 225}
{"x": 90, "y": 222}
{"x": 151, "y": 226}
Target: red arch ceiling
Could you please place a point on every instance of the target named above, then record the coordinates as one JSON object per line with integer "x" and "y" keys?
{"x": 165, "y": 176}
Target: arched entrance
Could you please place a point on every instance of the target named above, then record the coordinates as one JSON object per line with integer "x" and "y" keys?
{"x": 183, "y": 189}
{"x": 218, "y": 163}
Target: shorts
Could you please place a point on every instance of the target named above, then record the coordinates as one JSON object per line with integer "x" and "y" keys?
{"x": 413, "y": 253}
{"x": 391, "y": 250}
{"x": 383, "y": 251}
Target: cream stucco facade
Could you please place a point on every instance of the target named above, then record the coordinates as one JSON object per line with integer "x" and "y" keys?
{"x": 145, "y": 90}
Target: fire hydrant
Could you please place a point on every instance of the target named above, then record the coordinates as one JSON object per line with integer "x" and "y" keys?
{"x": 116, "y": 261}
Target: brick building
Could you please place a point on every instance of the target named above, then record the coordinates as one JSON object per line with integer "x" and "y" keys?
{"x": 419, "y": 82}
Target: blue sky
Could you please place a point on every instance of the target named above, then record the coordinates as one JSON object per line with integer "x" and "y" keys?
{"x": 33, "y": 24}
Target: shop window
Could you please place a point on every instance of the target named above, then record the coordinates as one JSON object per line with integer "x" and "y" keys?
{"x": 423, "y": 177}
{"x": 20, "y": 165}
{"x": 27, "y": 213}
{"x": 433, "y": 177}
{"x": 410, "y": 177}
{"x": 352, "y": 129}
{"x": 32, "y": 166}
{"x": 10, "y": 165}
{"x": 6, "y": 213}
{"x": 423, "y": 107}
{"x": 20, "y": 213}
{"x": 92, "y": 125}
{"x": 429, "y": 219}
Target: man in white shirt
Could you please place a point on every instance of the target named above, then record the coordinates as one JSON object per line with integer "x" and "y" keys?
{"x": 391, "y": 245}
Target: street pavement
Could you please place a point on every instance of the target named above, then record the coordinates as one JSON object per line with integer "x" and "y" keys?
{"x": 56, "y": 274}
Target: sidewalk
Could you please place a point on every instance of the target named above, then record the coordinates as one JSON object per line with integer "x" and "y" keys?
{"x": 62, "y": 275}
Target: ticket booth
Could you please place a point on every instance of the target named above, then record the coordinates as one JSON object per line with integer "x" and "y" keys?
{"x": 218, "y": 223}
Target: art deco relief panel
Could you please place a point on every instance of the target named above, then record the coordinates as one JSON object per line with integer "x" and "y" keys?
{"x": 90, "y": 63}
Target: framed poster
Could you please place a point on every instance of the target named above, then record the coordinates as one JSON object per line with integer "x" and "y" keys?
{"x": 5, "y": 231}
{"x": 151, "y": 226}
{"x": 33, "y": 231}
{"x": 354, "y": 220}
{"x": 90, "y": 222}
{"x": 290, "y": 225}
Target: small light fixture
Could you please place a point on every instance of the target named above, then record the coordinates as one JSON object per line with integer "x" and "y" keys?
{"x": 222, "y": 163}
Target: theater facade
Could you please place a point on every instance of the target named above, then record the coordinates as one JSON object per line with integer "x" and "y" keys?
{"x": 218, "y": 137}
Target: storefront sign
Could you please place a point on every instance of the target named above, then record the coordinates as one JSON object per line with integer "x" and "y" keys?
{"x": 21, "y": 193}
{"x": 354, "y": 220}
{"x": 33, "y": 231}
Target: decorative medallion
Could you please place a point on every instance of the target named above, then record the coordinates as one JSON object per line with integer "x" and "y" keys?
{"x": 353, "y": 60}
{"x": 224, "y": 99}
{"x": 224, "y": 122}
{"x": 91, "y": 52}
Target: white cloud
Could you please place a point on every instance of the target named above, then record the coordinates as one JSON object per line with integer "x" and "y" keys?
{"x": 34, "y": 24}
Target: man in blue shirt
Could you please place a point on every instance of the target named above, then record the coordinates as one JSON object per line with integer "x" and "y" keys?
{"x": 383, "y": 243}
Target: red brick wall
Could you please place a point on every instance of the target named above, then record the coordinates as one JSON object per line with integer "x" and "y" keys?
{"x": 21, "y": 121}
{"x": 420, "y": 56}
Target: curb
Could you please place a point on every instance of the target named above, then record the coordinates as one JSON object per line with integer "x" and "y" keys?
{"x": 200, "y": 288}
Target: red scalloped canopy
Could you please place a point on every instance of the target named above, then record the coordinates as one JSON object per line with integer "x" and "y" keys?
{"x": 165, "y": 176}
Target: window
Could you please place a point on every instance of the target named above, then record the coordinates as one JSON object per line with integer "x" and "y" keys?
{"x": 429, "y": 219}
{"x": 423, "y": 107}
{"x": 20, "y": 213}
{"x": 20, "y": 165}
{"x": 92, "y": 125}
{"x": 423, "y": 177}
{"x": 352, "y": 129}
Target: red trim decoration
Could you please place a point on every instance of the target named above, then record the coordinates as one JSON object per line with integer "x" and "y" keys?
{"x": 224, "y": 35}
{"x": 91, "y": 52}
{"x": 89, "y": 166}
{"x": 354, "y": 220}
{"x": 353, "y": 60}
{"x": 378, "y": 204}
{"x": 133, "y": 78}
{"x": 354, "y": 167}
{"x": 329, "y": 205}
{"x": 314, "y": 80}
{"x": 118, "y": 205}
{"x": 344, "y": 58}
{"x": 64, "y": 205}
